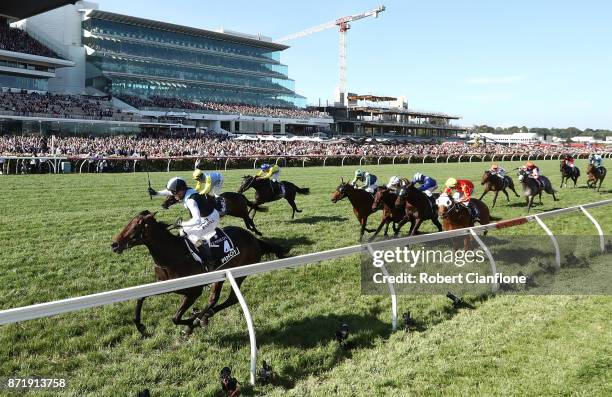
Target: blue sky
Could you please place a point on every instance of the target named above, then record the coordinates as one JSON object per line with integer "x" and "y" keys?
{"x": 539, "y": 63}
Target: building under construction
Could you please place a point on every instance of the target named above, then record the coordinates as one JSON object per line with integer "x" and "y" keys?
{"x": 389, "y": 117}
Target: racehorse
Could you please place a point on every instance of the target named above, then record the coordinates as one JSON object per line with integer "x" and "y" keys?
{"x": 418, "y": 204}
{"x": 236, "y": 204}
{"x": 385, "y": 198}
{"x": 456, "y": 216}
{"x": 596, "y": 174}
{"x": 493, "y": 183}
{"x": 174, "y": 260}
{"x": 265, "y": 194}
{"x": 568, "y": 173}
{"x": 532, "y": 188}
{"x": 360, "y": 200}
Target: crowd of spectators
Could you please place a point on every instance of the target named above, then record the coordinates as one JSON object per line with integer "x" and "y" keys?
{"x": 17, "y": 40}
{"x": 56, "y": 105}
{"x": 242, "y": 109}
{"x": 214, "y": 146}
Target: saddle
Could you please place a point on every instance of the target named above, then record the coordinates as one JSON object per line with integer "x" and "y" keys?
{"x": 215, "y": 253}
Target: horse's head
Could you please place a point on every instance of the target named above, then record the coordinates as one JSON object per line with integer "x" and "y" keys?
{"x": 379, "y": 197}
{"x": 341, "y": 191}
{"x": 247, "y": 181}
{"x": 135, "y": 233}
{"x": 485, "y": 177}
{"x": 445, "y": 204}
{"x": 522, "y": 174}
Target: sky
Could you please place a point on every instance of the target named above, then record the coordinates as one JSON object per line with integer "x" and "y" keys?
{"x": 538, "y": 63}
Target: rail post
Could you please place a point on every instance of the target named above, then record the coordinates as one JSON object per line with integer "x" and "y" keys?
{"x": 393, "y": 162}
{"x": 324, "y": 160}
{"x": 424, "y": 158}
{"x": 471, "y": 158}
{"x": 495, "y": 285}
{"x": 552, "y": 238}
{"x": 437, "y": 157}
{"x": 409, "y": 158}
{"x": 249, "y": 321}
{"x": 512, "y": 158}
{"x": 378, "y": 162}
{"x": 255, "y": 163}
{"x": 304, "y": 161}
{"x": 342, "y": 163}
{"x": 602, "y": 240}
{"x": 459, "y": 159}
{"x": 134, "y": 168}
{"x": 226, "y": 161}
{"x": 391, "y": 291}
{"x": 360, "y": 160}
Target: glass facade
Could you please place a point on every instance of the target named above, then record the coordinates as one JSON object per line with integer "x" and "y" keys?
{"x": 23, "y": 82}
{"x": 130, "y": 59}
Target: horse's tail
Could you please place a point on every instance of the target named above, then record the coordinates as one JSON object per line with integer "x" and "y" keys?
{"x": 254, "y": 206}
{"x": 268, "y": 247}
{"x": 302, "y": 190}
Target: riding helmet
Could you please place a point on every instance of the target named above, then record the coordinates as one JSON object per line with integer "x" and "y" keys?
{"x": 176, "y": 184}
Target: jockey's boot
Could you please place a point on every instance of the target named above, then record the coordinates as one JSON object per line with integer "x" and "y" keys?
{"x": 206, "y": 255}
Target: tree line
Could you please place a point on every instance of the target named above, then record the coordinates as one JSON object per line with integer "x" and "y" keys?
{"x": 556, "y": 132}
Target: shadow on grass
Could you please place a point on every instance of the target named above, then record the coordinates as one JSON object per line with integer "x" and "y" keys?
{"x": 313, "y": 333}
{"x": 319, "y": 218}
{"x": 290, "y": 242}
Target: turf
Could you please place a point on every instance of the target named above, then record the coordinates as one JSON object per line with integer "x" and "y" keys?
{"x": 55, "y": 233}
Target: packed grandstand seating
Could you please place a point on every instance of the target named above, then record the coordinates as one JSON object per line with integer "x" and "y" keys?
{"x": 17, "y": 40}
{"x": 242, "y": 109}
{"x": 214, "y": 145}
{"x": 56, "y": 105}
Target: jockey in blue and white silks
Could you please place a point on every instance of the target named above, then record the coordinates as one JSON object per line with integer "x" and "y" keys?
{"x": 368, "y": 180}
{"x": 596, "y": 160}
{"x": 428, "y": 185}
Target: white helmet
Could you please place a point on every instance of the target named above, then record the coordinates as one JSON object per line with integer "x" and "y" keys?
{"x": 393, "y": 181}
{"x": 176, "y": 184}
{"x": 417, "y": 176}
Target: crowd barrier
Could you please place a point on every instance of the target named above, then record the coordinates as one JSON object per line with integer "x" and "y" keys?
{"x": 52, "y": 164}
{"x": 104, "y": 298}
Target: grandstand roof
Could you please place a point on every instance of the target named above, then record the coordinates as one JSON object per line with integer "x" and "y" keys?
{"x": 242, "y": 39}
{"x": 21, "y": 9}
{"x": 371, "y": 98}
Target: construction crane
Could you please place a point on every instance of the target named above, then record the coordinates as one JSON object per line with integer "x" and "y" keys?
{"x": 343, "y": 26}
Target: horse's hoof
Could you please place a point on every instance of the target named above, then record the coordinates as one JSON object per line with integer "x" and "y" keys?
{"x": 204, "y": 322}
{"x": 187, "y": 331}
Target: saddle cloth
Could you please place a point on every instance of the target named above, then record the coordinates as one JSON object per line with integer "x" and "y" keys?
{"x": 218, "y": 251}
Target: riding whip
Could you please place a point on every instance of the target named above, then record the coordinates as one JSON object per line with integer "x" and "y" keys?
{"x": 148, "y": 176}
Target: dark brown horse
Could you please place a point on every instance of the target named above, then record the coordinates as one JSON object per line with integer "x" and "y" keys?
{"x": 456, "y": 216}
{"x": 419, "y": 205}
{"x": 360, "y": 200}
{"x": 493, "y": 183}
{"x": 532, "y": 188}
{"x": 568, "y": 172}
{"x": 174, "y": 260}
{"x": 264, "y": 192}
{"x": 236, "y": 204}
{"x": 596, "y": 174}
{"x": 385, "y": 199}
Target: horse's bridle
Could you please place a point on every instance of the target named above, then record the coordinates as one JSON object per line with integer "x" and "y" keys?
{"x": 249, "y": 184}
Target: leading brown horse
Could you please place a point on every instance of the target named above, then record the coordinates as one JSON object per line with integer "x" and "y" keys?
{"x": 174, "y": 260}
{"x": 419, "y": 205}
{"x": 360, "y": 200}
{"x": 493, "y": 183}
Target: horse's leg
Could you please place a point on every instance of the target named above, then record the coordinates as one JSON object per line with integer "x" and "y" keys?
{"x": 213, "y": 298}
{"x": 540, "y": 197}
{"x": 484, "y": 193}
{"x": 437, "y": 223}
{"x": 495, "y": 198}
{"x": 249, "y": 222}
{"x": 232, "y": 299}
{"x": 188, "y": 300}
{"x": 382, "y": 223}
{"x": 291, "y": 202}
{"x": 529, "y": 203}
{"x": 507, "y": 196}
{"x": 400, "y": 225}
{"x": 416, "y": 227}
{"x": 138, "y": 310}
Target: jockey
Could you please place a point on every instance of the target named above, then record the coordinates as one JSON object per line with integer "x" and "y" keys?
{"x": 368, "y": 180}
{"x": 207, "y": 182}
{"x": 497, "y": 170}
{"x": 464, "y": 189}
{"x": 397, "y": 184}
{"x": 569, "y": 160}
{"x": 596, "y": 160}
{"x": 532, "y": 170}
{"x": 428, "y": 185}
{"x": 204, "y": 216}
{"x": 271, "y": 172}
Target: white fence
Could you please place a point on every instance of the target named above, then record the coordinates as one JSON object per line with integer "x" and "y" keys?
{"x": 16, "y": 164}
{"x": 104, "y": 298}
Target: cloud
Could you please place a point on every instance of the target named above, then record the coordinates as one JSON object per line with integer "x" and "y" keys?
{"x": 494, "y": 80}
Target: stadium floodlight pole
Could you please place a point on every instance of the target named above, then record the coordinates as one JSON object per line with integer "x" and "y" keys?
{"x": 343, "y": 25}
